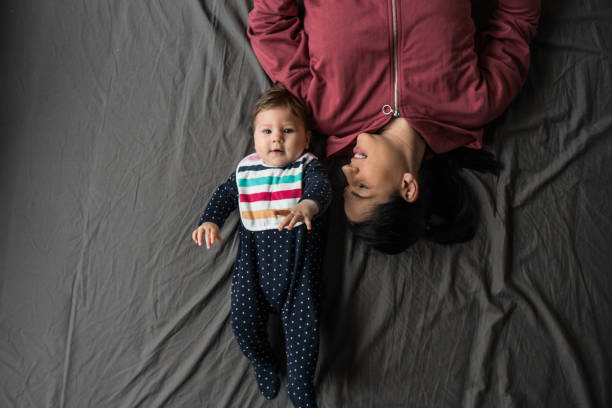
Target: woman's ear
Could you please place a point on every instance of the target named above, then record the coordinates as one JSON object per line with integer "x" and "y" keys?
{"x": 308, "y": 135}
{"x": 410, "y": 188}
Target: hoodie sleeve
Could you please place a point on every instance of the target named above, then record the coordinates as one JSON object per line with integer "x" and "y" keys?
{"x": 280, "y": 44}
{"x": 504, "y": 54}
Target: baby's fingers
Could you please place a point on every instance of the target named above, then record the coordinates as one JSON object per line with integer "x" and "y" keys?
{"x": 197, "y": 236}
{"x": 217, "y": 237}
{"x": 208, "y": 238}
{"x": 308, "y": 223}
{"x": 296, "y": 218}
{"x": 285, "y": 221}
{"x": 214, "y": 237}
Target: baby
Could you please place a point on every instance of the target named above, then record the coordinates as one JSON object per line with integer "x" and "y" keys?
{"x": 278, "y": 190}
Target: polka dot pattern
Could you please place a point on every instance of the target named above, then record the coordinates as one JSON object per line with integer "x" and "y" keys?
{"x": 223, "y": 201}
{"x": 278, "y": 272}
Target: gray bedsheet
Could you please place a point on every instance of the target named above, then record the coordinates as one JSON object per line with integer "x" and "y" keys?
{"x": 119, "y": 119}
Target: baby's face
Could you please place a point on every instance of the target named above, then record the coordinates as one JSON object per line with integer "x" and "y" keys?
{"x": 280, "y": 136}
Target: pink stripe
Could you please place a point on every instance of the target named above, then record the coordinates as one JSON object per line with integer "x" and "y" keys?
{"x": 267, "y": 196}
{"x": 253, "y": 158}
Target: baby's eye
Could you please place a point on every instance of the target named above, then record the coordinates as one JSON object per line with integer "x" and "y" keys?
{"x": 267, "y": 131}
{"x": 362, "y": 186}
{"x": 288, "y": 130}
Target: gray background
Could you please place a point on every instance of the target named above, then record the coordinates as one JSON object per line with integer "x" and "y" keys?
{"x": 118, "y": 120}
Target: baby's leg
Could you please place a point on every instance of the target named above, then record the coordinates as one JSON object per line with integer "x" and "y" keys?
{"x": 249, "y": 317}
{"x": 300, "y": 324}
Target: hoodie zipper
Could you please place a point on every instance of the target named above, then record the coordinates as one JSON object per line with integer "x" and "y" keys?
{"x": 387, "y": 109}
{"x": 395, "y": 89}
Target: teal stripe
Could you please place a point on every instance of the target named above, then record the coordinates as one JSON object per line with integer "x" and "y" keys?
{"x": 258, "y": 181}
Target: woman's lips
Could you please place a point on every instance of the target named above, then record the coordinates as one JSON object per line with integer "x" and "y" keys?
{"x": 358, "y": 153}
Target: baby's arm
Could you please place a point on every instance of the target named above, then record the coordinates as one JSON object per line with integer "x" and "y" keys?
{"x": 223, "y": 201}
{"x": 316, "y": 197}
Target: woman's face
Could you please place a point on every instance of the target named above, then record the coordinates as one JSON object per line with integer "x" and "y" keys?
{"x": 374, "y": 174}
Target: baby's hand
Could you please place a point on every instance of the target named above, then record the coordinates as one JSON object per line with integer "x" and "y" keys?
{"x": 208, "y": 231}
{"x": 303, "y": 211}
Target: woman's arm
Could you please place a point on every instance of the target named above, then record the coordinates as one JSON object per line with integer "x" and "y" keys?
{"x": 504, "y": 54}
{"x": 280, "y": 44}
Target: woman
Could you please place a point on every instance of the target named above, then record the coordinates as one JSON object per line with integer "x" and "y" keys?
{"x": 394, "y": 81}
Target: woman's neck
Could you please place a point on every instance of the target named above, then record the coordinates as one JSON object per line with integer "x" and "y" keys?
{"x": 408, "y": 141}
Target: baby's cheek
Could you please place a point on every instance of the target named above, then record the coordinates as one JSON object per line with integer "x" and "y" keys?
{"x": 260, "y": 150}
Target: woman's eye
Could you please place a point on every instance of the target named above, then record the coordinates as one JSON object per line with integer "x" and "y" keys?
{"x": 288, "y": 130}
{"x": 267, "y": 131}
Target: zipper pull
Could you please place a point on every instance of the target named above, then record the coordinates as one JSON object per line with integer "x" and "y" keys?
{"x": 388, "y": 110}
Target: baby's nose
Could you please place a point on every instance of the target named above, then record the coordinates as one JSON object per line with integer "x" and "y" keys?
{"x": 278, "y": 137}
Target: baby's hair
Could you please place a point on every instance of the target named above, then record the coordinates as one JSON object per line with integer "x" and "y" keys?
{"x": 279, "y": 96}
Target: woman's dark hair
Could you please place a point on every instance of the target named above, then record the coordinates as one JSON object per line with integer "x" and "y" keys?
{"x": 444, "y": 211}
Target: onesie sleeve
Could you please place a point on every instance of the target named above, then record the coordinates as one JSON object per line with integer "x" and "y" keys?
{"x": 503, "y": 52}
{"x": 317, "y": 186}
{"x": 280, "y": 44}
{"x": 223, "y": 201}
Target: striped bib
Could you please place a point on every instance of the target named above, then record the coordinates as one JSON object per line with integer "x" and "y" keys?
{"x": 266, "y": 193}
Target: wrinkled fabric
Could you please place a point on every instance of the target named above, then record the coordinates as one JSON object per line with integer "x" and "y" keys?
{"x": 119, "y": 119}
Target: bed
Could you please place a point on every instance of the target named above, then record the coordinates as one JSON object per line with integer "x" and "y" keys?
{"x": 119, "y": 119}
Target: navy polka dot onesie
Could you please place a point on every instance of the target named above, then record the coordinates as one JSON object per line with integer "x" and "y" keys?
{"x": 278, "y": 272}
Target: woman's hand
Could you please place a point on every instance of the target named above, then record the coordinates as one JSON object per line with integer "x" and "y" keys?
{"x": 208, "y": 231}
{"x": 303, "y": 211}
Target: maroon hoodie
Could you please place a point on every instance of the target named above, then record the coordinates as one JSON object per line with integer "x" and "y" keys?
{"x": 356, "y": 64}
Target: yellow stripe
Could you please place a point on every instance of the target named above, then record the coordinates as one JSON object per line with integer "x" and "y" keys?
{"x": 255, "y": 215}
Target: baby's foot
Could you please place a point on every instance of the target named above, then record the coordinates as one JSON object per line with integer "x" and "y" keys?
{"x": 302, "y": 395}
{"x": 268, "y": 382}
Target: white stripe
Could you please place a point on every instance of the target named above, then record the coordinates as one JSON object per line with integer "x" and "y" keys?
{"x": 270, "y": 188}
{"x": 265, "y": 205}
{"x": 273, "y": 172}
{"x": 264, "y": 224}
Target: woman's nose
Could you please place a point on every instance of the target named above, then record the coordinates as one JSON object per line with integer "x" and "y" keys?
{"x": 361, "y": 136}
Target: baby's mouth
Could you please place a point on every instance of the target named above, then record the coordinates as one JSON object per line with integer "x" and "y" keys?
{"x": 276, "y": 151}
